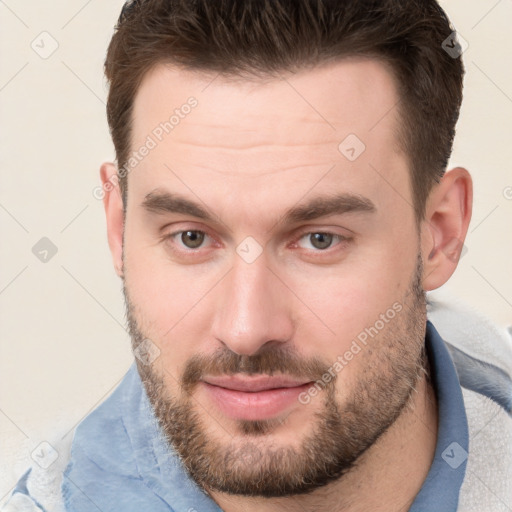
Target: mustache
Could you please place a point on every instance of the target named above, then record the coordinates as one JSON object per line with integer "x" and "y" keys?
{"x": 269, "y": 362}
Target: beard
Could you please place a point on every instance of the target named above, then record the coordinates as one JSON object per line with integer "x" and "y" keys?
{"x": 250, "y": 464}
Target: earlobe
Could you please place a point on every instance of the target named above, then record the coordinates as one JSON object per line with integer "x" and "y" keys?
{"x": 444, "y": 229}
{"x": 113, "y": 204}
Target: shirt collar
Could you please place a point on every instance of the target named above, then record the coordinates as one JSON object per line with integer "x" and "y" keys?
{"x": 440, "y": 491}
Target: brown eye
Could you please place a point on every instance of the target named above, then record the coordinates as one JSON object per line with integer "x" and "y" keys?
{"x": 321, "y": 240}
{"x": 321, "y": 246}
{"x": 192, "y": 239}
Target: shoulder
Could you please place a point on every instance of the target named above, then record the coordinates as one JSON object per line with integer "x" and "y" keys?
{"x": 482, "y": 355}
{"x": 466, "y": 330}
{"x": 102, "y": 435}
{"x": 40, "y": 486}
{"x": 481, "y": 351}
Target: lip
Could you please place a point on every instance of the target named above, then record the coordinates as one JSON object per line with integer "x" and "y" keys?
{"x": 253, "y": 384}
{"x": 254, "y": 398}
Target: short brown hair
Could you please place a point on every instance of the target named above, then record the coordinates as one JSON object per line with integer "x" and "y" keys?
{"x": 261, "y": 38}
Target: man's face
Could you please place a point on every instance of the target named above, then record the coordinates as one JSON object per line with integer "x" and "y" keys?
{"x": 263, "y": 292}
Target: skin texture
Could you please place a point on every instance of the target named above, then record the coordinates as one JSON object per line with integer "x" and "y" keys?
{"x": 249, "y": 151}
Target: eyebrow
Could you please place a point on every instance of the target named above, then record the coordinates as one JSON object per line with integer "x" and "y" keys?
{"x": 165, "y": 202}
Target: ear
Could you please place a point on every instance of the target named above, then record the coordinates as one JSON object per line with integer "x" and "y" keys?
{"x": 113, "y": 204}
{"x": 447, "y": 216}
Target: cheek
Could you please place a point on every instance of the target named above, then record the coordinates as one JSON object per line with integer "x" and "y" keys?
{"x": 167, "y": 299}
{"x": 168, "y": 302}
{"x": 167, "y": 314}
{"x": 337, "y": 305}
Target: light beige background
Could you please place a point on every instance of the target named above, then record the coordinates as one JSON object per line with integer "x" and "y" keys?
{"x": 63, "y": 344}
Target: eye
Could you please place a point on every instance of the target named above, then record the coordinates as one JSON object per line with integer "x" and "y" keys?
{"x": 320, "y": 240}
{"x": 191, "y": 239}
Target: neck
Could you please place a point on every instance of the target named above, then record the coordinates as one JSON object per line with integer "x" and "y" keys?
{"x": 386, "y": 477}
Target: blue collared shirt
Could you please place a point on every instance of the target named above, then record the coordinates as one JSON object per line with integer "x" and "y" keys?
{"x": 120, "y": 460}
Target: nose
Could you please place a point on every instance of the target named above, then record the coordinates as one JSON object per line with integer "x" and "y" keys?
{"x": 253, "y": 308}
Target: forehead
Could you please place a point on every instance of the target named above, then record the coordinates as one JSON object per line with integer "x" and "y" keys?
{"x": 352, "y": 94}
{"x": 255, "y": 135}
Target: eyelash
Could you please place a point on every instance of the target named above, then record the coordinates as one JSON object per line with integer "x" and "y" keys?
{"x": 341, "y": 239}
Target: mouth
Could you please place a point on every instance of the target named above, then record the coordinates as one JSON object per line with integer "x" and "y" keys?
{"x": 254, "y": 398}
